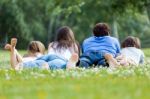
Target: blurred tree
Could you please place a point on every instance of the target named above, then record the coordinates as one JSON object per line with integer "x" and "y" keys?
{"x": 39, "y": 19}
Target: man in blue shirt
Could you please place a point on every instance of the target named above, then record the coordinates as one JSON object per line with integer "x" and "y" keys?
{"x": 97, "y": 46}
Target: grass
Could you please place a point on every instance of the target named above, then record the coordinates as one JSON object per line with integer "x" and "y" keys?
{"x": 97, "y": 83}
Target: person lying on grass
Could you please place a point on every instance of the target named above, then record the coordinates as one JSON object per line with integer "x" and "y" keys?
{"x": 64, "y": 47}
{"x": 35, "y": 49}
{"x": 99, "y": 48}
{"x": 51, "y": 60}
{"x": 131, "y": 54}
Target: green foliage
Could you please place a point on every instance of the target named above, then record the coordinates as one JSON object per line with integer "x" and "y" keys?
{"x": 39, "y": 19}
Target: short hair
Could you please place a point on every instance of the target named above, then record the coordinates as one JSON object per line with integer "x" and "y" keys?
{"x": 101, "y": 29}
{"x": 131, "y": 41}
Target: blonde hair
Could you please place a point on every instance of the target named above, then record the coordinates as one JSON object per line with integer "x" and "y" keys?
{"x": 36, "y": 47}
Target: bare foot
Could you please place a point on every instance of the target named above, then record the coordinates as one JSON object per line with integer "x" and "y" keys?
{"x": 72, "y": 61}
{"x": 13, "y": 42}
{"x": 7, "y": 47}
{"x": 111, "y": 61}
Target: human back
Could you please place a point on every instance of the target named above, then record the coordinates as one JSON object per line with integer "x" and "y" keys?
{"x": 96, "y": 47}
{"x": 131, "y": 50}
{"x": 65, "y": 44}
{"x": 101, "y": 41}
{"x": 105, "y": 44}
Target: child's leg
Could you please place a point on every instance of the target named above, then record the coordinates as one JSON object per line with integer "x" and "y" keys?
{"x": 14, "y": 54}
{"x": 111, "y": 60}
{"x": 72, "y": 61}
{"x": 18, "y": 56}
{"x": 87, "y": 59}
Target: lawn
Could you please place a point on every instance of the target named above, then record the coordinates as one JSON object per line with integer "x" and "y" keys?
{"x": 97, "y": 83}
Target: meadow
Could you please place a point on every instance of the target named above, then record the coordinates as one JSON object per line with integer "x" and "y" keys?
{"x": 96, "y": 83}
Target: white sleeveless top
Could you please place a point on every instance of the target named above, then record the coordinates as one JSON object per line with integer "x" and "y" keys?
{"x": 63, "y": 53}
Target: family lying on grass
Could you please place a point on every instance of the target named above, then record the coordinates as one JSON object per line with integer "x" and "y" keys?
{"x": 64, "y": 53}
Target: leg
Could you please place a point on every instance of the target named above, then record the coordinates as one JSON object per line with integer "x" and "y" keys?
{"x": 86, "y": 60}
{"x": 48, "y": 58}
{"x": 54, "y": 61}
{"x": 57, "y": 64}
{"x": 18, "y": 56}
{"x": 13, "y": 56}
{"x": 40, "y": 64}
{"x": 7, "y": 47}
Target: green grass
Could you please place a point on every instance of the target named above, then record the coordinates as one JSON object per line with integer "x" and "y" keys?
{"x": 98, "y": 83}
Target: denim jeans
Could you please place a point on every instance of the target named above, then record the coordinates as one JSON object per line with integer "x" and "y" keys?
{"x": 91, "y": 58}
{"x": 54, "y": 62}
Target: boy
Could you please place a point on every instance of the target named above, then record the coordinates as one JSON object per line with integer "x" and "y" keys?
{"x": 99, "y": 47}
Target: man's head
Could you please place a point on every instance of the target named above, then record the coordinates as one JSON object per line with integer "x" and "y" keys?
{"x": 101, "y": 29}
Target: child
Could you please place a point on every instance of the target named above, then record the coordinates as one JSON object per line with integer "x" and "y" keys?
{"x": 63, "y": 47}
{"x": 99, "y": 47}
{"x": 131, "y": 54}
{"x": 63, "y": 53}
{"x": 35, "y": 50}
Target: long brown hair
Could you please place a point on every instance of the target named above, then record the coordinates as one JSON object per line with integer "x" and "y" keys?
{"x": 65, "y": 39}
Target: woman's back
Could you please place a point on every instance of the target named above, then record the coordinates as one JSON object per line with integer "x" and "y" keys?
{"x": 63, "y": 52}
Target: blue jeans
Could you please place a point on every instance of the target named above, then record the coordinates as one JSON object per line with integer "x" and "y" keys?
{"x": 54, "y": 62}
{"x": 91, "y": 58}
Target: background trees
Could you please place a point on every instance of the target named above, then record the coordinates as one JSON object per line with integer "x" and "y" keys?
{"x": 39, "y": 19}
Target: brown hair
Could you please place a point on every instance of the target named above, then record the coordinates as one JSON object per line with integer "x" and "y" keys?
{"x": 65, "y": 39}
{"x": 131, "y": 41}
{"x": 101, "y": 29}
{"x": 36, "y": 46}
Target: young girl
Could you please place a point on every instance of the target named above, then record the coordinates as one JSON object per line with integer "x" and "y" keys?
{"x": 35, "y": 50}
{"x": 65, "y": 44}
{"x": 131, "y": 54}
{"x": 63, "y": 53}
{"x": 64, "y": 47}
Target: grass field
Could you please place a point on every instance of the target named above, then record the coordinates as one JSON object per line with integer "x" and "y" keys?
{"x": 97, "y": 83}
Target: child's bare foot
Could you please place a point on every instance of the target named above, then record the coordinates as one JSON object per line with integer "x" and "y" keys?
{"x": 13, "y": 42}
{"x": 7, "y": 47}
{"x": 111, "y": 61}
{"x": 72, "y": 61}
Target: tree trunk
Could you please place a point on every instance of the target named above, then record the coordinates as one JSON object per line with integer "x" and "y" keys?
{"x": 50, "y": 30}
{"x": 148, "y": 11}
{"x": 114, "y": 28}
